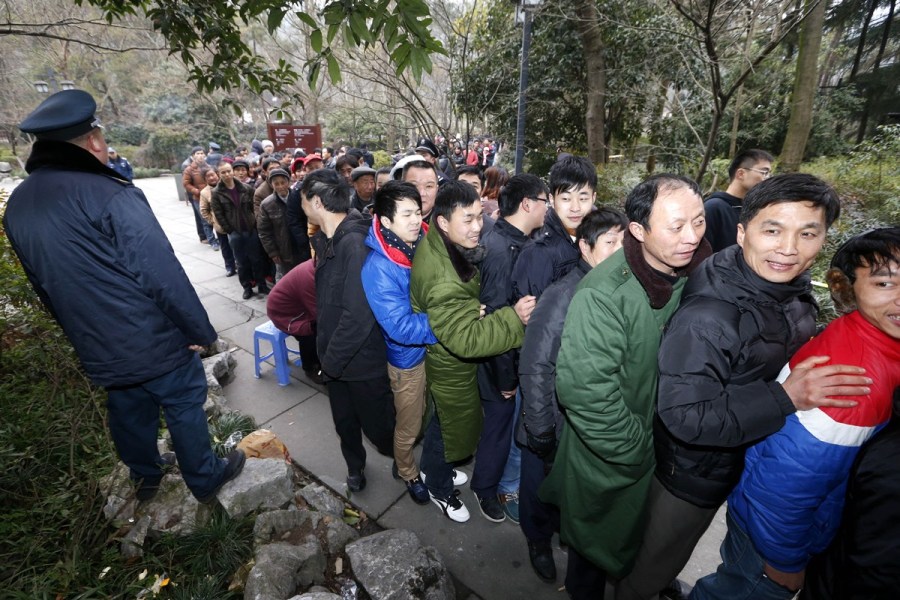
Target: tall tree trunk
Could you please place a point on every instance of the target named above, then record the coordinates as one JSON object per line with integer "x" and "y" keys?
{"x": 739, "y": 96}
{"x": 595, "y": 74}
{"x": 805, "y": 78}
{"x": 860, "y": 47}
{"x": 875, "y": 88}
{"x": 837, "y": 37}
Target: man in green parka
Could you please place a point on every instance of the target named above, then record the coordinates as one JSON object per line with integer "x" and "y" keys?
{"x": 445, "y": 284}
{"x": 607, "y": 376}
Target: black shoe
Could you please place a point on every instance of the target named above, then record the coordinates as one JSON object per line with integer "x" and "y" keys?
{"x": 676, "y": 590}
{"x": 263, "y": 289}
{"x": 315, "y": 375}
{"x": 147, "y": 488}
{"x": 234, "y": 463}
{"x": 541, "y": 556}
{"x": 417, "y": 491}
{"x": 395, "y": 472}
{"x": 490, "y": 508}
{"x": 248, "y": 293}
{"x": 356, "y": 482}
{"x": 230, "y": 272}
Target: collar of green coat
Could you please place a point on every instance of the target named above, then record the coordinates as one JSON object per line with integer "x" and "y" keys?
{"x": 658, "y": 287}
{"x": 464, "y": 269}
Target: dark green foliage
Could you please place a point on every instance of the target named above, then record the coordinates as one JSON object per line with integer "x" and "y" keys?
{"x": 131, "y": 135}
{"x": 166, "y": 147}
{"x": 227, "y": 425}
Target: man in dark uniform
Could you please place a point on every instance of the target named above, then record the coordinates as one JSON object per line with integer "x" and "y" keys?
{"x": 97, "y": 257}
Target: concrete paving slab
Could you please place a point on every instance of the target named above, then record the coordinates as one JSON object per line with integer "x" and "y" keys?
{"x": 489, "y": 558}
{"x": 225, "y": 313}
{"x": 263, "y": 398}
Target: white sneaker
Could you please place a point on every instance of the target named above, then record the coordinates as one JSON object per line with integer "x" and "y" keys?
{"x": 453, "y": 508}
{"x": 459, "y": 478}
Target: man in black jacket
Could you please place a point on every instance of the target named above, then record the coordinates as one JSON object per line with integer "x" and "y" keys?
{"x": 352, "y": 353}
{"x": 723, "y": 209}
{"x": 523, "y": 205}
{"x": 538, "y": 430}
{"x": 743, "y": 314}
{"x": 553, "y": 251}
{"x": 101, "y": 264}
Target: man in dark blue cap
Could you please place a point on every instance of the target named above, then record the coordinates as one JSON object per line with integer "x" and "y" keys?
{"x": 97, "y": 257}
{"x": 215, "y": 155}
{"x": 120, "y": 164}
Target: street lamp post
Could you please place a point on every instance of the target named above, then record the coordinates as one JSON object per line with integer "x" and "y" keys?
{"x": 524, "y": 10}
{"x": 42, "y": 87}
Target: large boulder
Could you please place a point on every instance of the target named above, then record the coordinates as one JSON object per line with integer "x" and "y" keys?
{"x": 263, "y": 483}
{"x": 282, "y": 568}
{"x": 394, "y": 565}
{"x": 173, "y": 509}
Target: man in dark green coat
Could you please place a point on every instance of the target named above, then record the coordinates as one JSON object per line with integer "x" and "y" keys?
{"x": 607, "y": 376}
{"x": 445, "y": 284}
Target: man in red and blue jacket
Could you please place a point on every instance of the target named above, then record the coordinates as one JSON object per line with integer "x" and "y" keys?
{"x": 791, "y": 494}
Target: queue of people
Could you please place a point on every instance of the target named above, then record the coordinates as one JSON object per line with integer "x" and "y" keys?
{"x": 617, "y": 377}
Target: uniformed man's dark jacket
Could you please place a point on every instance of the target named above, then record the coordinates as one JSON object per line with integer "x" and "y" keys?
{"x": 100, "y": 262}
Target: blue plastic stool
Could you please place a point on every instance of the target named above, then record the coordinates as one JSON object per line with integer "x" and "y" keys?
{"x": 280, "y": 351}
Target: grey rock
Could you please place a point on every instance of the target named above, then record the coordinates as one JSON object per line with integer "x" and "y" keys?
{"x": 284, "y": 525}
{"x": 219, "y": 366}
{"x": 394, "y": 565}
{"x": 316, "y": 596}
{"x": 118, "y": 511}
{"x": 174, "y": 509}
{"x": 215, "y": 403}
{"x": 338, "y": 534}
{"x": 118, "y": 482}
{"x": 133, "y": 542}
{"x": 264, "y": 483}
{"x": 323, "y": 500}
{"x": 282, "y": 568}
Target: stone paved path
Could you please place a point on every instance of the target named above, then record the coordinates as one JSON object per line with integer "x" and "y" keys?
{"x": 489, "y": 558}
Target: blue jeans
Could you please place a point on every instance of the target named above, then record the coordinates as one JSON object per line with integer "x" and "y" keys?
{"x": 227, "y": 254}
{"x": 134, "y": 425}
{"x": 198, "y": 220}
{"x": 438, "y": 472}
{"x": 512, "y": 472}
{"x": 740, "y": 576}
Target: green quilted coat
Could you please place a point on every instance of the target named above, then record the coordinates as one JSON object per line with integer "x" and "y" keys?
{"x": 606, "y": 381}
{"x": 453, "y": 310}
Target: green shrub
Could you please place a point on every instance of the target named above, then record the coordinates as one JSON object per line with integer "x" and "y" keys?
{"x": 144, "y": 172}
{"x": 382, "y": 159}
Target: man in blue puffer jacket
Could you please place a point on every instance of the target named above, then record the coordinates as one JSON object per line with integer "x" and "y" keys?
{"x": 396, "y": 230}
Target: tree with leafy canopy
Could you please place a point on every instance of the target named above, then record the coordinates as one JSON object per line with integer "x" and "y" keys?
{"x": 206, "y": 36}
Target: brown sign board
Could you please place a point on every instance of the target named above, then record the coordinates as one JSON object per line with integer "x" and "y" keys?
{"x": 286, "y": 136}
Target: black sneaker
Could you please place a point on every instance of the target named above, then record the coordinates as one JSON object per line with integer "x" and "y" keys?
{"x": 230, "y": 272}
{"x": 490, "y": 508}
{"x": 395, "y": 471}
{"x": 234, "y": 463}
{"x": 315, "y": 375}
{"x": 263, "y": 289}
{"x": 541, "y": 556}
{"x": 248, "y": 293}
{"x": 452, "y": 507}
{"x": 417, "y": 491}
{"x": 356, "y": 482}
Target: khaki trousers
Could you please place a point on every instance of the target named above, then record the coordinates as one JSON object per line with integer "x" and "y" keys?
{"x": 408, "y": 386}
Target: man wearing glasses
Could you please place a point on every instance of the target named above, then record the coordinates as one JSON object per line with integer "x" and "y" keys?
{"x": 723, "y": 209}
{"x": 523, "y": 206}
